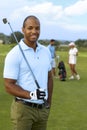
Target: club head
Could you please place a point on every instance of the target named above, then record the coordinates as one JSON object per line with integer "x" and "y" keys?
{"x": 4, "y": 20}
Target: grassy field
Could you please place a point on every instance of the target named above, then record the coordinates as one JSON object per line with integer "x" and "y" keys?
{"x": 69, "y": 107}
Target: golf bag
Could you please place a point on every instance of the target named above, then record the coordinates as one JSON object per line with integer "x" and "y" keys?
{"x": 62, "y": 71}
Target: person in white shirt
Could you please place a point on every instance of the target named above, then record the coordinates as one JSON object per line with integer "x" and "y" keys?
{"x": 73, "y": 53}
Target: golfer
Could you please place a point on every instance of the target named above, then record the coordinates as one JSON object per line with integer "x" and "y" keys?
{"x": 51, "y": 47}
{"x": 28, "y": 110}
{"x": 73, "y": 53}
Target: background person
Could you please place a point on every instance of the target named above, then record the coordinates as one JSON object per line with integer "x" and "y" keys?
{"x": 73, "y": 53}
{"x": 51, "y": 47}
{"x": 28, "y": 111}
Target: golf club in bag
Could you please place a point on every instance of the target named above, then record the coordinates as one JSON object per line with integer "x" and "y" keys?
{"x": 38, "y": 87}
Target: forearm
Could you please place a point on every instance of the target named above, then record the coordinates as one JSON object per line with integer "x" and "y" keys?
{"x": 15, "y": 90}
{"x": 50, "y": 89}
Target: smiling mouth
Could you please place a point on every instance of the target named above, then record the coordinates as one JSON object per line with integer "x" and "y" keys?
{"x": 34, "y": 36}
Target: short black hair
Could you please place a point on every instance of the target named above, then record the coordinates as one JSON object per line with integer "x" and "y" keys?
{"x": 52, "y": 40}
{"x": 30, "y": 16}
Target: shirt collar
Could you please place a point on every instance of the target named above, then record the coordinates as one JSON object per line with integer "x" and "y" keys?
{"x": 25, "y": 47}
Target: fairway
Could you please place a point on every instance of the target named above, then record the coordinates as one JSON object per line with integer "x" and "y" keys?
{"x": 69, "y": 108}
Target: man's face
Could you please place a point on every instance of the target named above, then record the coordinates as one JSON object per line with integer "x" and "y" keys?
{"x": 52, "y": 43}
{"x": 31, "y": 30}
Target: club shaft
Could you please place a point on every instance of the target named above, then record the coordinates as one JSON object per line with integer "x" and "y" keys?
{"x": 13, "y": 33}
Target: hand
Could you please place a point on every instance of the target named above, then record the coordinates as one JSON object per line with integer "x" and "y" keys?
{"x": 40, "y": 94}
{"x": 37, "y": 94}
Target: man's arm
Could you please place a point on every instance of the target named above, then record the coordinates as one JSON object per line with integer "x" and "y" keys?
{"x": 50, "y": 87}
{"x": 15, "y": 90}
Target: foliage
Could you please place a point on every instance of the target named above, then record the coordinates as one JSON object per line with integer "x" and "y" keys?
{"x": 10, "y": 39}
{"x": 4, "y": 38}
{"x": 18, "y": 35}
{"x": 46, "y": 42}
{"x": 81, "y": 43}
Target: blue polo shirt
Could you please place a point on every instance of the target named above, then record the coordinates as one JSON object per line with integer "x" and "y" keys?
{"x": 52, "y": 50}
{"x": 40, "y": 63}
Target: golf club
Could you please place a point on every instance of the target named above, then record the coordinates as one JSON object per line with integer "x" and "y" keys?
{"x": 5, "y": 21}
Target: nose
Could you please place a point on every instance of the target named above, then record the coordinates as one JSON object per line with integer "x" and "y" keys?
{"x": 34, "y": 30}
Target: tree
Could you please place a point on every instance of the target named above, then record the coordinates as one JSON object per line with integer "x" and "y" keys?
{"x": 81, "y": 43}
{"x": 18, "y": 35}
{"x": 4, "y": 38}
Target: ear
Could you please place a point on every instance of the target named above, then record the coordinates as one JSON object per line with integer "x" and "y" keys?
{"x": 22, "y": 29}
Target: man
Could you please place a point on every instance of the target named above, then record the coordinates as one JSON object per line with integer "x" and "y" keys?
{"x": 73, "y": 53}
{"x": 53, "y": 55}
{"x": 28, "y": 110}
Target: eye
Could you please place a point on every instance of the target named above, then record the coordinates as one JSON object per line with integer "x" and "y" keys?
{"x": 30, "y": 28}
{"x": 37, "y": 28}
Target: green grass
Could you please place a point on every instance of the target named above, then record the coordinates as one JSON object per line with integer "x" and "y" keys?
{"x": 69, "y": 107}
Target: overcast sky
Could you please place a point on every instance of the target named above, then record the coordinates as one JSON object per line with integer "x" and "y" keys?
{"x": 60, "y": 19}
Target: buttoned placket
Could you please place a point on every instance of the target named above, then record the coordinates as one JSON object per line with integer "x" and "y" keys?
{"x": 36, "y": 55}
